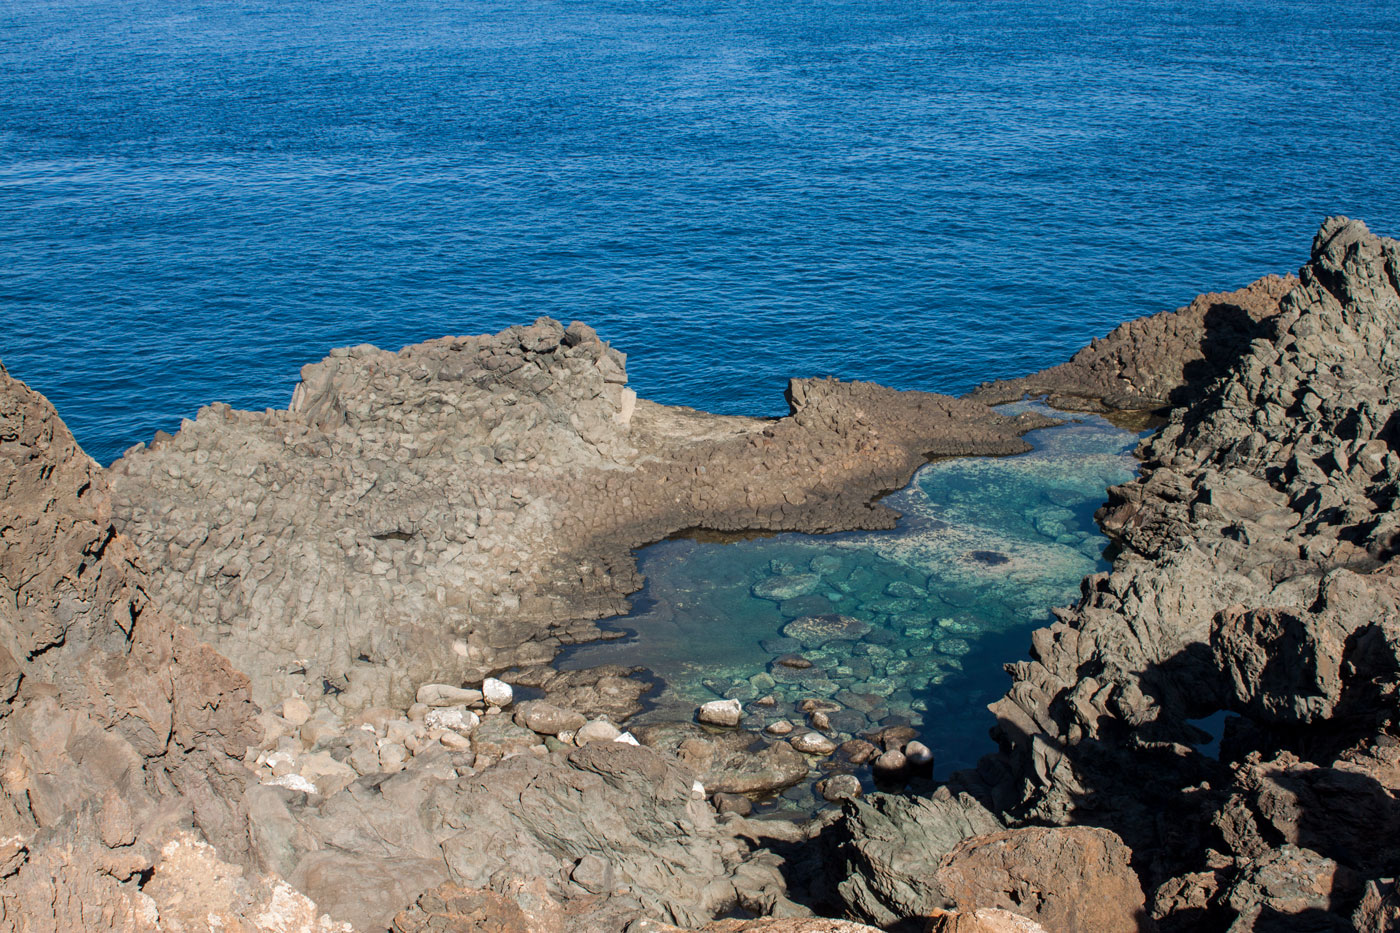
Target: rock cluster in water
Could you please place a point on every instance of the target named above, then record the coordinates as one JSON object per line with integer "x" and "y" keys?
{"x": 420, "y": 522}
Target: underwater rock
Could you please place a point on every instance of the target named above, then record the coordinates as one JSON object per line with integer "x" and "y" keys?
{"x": 813, "y": 631}
{"x": 788, "y": 587}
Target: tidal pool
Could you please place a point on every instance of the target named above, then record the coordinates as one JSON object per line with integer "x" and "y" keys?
{"x": 909, "y": 625}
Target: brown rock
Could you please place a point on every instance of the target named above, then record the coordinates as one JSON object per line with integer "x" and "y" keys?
{"x": 1070, "y": 880}
{"x": 982, "y": 920}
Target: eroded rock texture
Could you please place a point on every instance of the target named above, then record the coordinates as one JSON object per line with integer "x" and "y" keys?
{"x": 1258, "y": 577}
{"x": 120, "y": 735}
{"x": 470, "y": 503}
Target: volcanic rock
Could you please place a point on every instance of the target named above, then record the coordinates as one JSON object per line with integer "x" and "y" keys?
{"x": 1075, "y": 879}
{"x": 472, "y": 503}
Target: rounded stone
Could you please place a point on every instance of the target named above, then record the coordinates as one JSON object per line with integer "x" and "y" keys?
{"x": 447, "y": 695}
{"x": 813, "y": 743}
{"x": 497, "y": 692}
{"x": 918, "y": 754}
{"x": 454, "y": 718}
{"x": 720, "y": 713}
{"x": 839, "y": 787}
{"x": 781, "y": 727}
{"x": 733, "y": 803}
{"x": 787, "y": 587}
{"x": 890, "y": 765}
{"x": 598, "y": 730}
{"x": 546, "y": 718}
{"x": 295, "y": 710}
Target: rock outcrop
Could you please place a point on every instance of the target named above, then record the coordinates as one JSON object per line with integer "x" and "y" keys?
{"x": 1257, "y": 577}
{"x": 121, "y": 735}
{"x": 469, "y": 504}
{"x": 1157, "y": 361}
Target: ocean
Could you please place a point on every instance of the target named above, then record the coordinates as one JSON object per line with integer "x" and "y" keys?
{"x": 198, "y": 198}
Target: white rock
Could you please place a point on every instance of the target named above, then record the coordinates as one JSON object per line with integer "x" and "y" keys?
{"x": 294, "y": 782}
{"x": 627, "y": 738}
{"x": 720, "y": 713}
{"x": 454, "y": 718}
{"x": 781, "y": 727}
{"x": 447, "y": 695}
{"x": 698, "y": 790}
{"x": 567, "y": 736}
{"x": 497, "y": 692}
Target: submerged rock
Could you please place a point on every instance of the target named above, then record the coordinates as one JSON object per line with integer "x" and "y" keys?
{"x": 813, "y": 631}
{"x": 787, "y": 587}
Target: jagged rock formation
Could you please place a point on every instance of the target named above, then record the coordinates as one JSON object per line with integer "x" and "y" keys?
{"x": 1257, "y": 576}
{"x": 471, "y": 503}
{"x": 394, "y": 530}
{"x": 120, "y": 735}
{"x": 1156, "y": 361}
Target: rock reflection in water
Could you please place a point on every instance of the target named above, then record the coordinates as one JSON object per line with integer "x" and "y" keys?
{"x": 910, "y": 625}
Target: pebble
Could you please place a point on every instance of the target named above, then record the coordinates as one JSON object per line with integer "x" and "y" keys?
{"x": 781, "y": 727}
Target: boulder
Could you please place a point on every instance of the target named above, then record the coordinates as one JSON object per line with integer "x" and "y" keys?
{"x": 720, "y": 713}
{"x": 885, "y": 851}
{"x": 1070, "y": 879}
{"x": 547, "y": 719}
{"x": 813, "y": 631}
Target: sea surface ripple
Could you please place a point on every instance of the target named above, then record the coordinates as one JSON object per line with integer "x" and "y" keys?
{"x": 198, "y": 198}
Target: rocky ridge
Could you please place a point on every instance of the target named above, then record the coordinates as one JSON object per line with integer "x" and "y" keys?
{"x": 470, "y": 504}
{"x": 1256, "y": 581}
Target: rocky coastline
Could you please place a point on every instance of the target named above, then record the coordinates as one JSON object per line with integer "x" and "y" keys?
{"x": 290, "y": 670}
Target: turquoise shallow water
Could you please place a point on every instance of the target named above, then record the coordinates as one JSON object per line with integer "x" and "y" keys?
{"x": 199, "y": 197}
{"x": 923, "y": 616}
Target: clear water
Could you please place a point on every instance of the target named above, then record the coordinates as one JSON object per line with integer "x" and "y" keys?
{"x": 985, "y": 548}
{"x": 199, "y": 197}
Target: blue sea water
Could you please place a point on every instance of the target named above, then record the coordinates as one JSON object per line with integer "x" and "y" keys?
{"x": 197, "y": 198}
